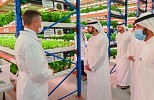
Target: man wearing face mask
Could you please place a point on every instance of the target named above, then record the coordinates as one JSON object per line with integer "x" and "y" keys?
{"x": 122, "y": 63}
{"x": 133, "y": 52}
{"x": 83, "y": 48}
{"x": 32, "y": 82}
{"x": 97, "y": 63}
{"x": 144, "y": 31}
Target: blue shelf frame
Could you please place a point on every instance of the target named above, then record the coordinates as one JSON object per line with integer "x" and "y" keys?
{"x": 152, "y": 8}
{"x": 18, "y": 17}
{"x": 19, "y": 27}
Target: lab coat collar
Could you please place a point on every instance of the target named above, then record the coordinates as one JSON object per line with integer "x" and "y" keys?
{"x": 31, "y": 33}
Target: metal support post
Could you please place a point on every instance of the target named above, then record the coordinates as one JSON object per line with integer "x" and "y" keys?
{"x": 108, "y": 24}
{"x": 152, "y": 8}
{"x": 126, "y": 9}
{"x": 18, "y": 17}
{"x": 138, "y": 8}
{"x": 78, "y": 48}
{"x": 146, "y": 5}
{"x": 61, "y": 82}
{"x": 4, "y": 98}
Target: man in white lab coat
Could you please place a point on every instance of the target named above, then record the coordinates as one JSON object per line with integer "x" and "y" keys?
{"x": 83, "y": 48}
{"x": 32, "y": 82}
{"x": 122, "y": 63}
{"x": 97, "y": 64}
{"x": 144, "y": 30}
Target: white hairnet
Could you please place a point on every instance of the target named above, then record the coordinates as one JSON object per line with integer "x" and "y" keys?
{"x": 147, "y": 23}
{"x": 125, "y": 27}
{"x": 82, "y": 26}
{"x": 97, "y": 25}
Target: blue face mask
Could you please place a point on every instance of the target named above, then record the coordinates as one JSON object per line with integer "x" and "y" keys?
{"x": 139, "y": 35}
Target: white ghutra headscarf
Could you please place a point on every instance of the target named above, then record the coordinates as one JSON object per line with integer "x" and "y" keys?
{"x": 97, "y": 25}
{"x": 146, "y": 20}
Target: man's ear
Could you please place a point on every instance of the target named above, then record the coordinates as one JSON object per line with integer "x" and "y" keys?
{"x": 145, "y": 31}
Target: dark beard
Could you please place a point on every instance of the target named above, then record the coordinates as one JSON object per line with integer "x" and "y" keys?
{"x": 91, "y": 32}
{"x": 145, "y": 31}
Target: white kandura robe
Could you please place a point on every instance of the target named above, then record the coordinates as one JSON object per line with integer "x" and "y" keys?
{"x": 134, "y": 49}
{"x": 144, "y": 88}
{"x": 122, "y": 63}
{"x": 98, "y": 80}
{"x": 137, "y": 46}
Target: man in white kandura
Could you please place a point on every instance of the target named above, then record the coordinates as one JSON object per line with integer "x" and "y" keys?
{"x": 122, "y": 63}
{"x": 32, "y": 82}
{"x": 133, "y": 51}
{"x": 144, "y": 30}
{"x": 97, "y": 64}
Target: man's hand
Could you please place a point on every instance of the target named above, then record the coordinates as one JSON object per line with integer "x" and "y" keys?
{"x": 131, "y": 58}
{"x": 87, "y": 68}
{"x": 53, "y": 71}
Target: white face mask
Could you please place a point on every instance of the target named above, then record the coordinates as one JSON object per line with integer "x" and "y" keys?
{"x": 82, "y": 30}
{"x": 40, "y": 29}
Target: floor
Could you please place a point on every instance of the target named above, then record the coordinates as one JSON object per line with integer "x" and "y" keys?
{"x": 70, "y": 85}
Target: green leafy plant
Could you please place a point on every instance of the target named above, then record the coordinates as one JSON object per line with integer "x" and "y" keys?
{"x": 65, "y": 37}
{"x": 55, "y": 16}
{"x": 59, "y": 6}
{"x": 46, "y": 16}
{"x": 113, "y": 23}
{"x": 97, "y": 8}
{"x": 59, "y": 32}
{"x": 61, "y": 65}
{"x": 13, "y": 68}
{"x": 6, "y": 18}
{"x": 130, "y": 26}
{"x": 57, "y": 66}
{"x": 46, "y": 44}
{"x": 113, "y": 36}
{"x": 132, "y": 14}
{"x": 113, "y": 52}
{"x": 84, "y": 22}
{"x": 104, "y": 23}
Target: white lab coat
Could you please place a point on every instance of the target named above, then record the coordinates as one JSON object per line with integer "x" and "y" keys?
{"x": 84, "y": 44}
{"x": 144, "y": 88}
{"x": 98, "y": 80}
{"x": 32, "y": 82}
{"x": 122, "y": 63}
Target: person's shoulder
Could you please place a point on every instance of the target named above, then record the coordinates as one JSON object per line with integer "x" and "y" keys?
{"x": 129, "y": 33}
{"x": 103, "y": 37}
{"x": 26, "y": 40}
